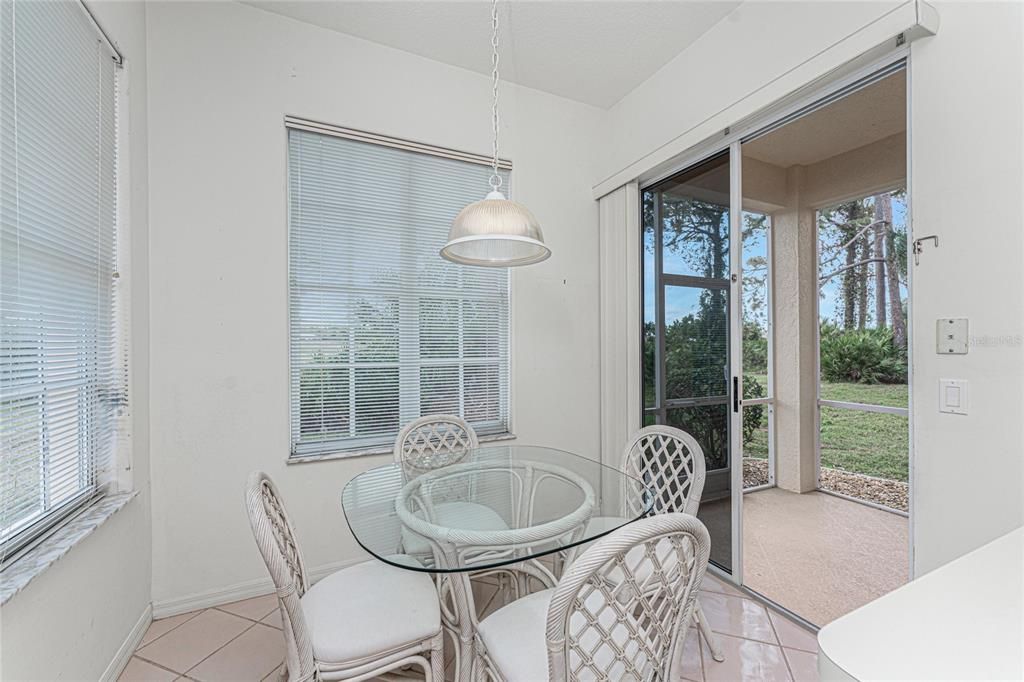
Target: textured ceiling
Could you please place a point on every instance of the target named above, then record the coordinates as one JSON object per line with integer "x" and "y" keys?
{"x": 868, "y": 115}
{"x": 586, "y": 50}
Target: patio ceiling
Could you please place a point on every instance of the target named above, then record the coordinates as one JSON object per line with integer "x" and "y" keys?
{"x": 866, "y": 116}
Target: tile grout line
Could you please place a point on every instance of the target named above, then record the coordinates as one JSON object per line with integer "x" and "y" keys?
{"x": 156, "y": 665}
{"x": 194, "y": 615}
{"x": 259, "y": 620}
{"x": 778, "y": 642}
{"x": 221, "y": 647}
{"x": 142, "y": 646}
{"x": 785, "y": 658}
{"x": 700, "y": 654}
{"x": 252, "y": 624}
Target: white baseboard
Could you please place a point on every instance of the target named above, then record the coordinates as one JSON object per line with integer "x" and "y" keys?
{"x": 242, "y": 590}
{"x": 128, "y": 647}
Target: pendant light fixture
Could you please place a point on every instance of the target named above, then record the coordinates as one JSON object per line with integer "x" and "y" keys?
{"x": 496, "y": 231}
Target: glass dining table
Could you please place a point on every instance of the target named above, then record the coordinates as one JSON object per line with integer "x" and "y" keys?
{"x": 516, "y": 513}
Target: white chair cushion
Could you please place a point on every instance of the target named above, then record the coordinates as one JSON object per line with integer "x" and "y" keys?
{"x": 368, "y": 609}
{"x": 514, "y": 637}
{"x": 462, "y": 515}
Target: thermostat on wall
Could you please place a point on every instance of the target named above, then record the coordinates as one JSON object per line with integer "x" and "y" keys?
{"x": 951, "y": 336}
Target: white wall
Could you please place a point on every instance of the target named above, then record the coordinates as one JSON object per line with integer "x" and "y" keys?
{"x": 966, "y": 154}
{"x": 69, "y": 622}
{"x": 760, "y": 52}
{"x": 222, "y": 77}
{"x": 967, "y": 181}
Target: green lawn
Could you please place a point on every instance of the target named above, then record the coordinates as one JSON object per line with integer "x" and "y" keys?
{"x": 862, "y": 442}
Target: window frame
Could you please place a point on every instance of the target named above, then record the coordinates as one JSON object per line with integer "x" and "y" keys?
{"x": 344, "y": 448}
{"x": 100, "y": 470}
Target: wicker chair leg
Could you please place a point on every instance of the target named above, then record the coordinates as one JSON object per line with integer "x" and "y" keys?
{"x": 436, "y": 672}
{"x": 707, "y": 634}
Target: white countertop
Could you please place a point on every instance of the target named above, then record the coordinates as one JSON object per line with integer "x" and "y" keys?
{"x": 962, "y": 621}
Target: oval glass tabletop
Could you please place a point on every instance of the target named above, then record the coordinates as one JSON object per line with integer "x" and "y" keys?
{"x": 490, "y": 507}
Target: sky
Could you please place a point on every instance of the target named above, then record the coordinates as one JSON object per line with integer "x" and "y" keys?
{"x": 680, "y": 302}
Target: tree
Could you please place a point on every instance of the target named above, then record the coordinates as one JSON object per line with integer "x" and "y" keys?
{"x": 755, "y": 272}
{"x": 695, "y": 241}
{"x": 895, "y": 267}
{"x": 844, "y": 226}
{"x": 883, "y": 223}
{"x": 864, "y": 255}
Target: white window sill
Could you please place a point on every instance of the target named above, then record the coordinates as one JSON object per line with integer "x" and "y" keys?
{"x": 25, "y": 568}
{"x": 382, "y": 450}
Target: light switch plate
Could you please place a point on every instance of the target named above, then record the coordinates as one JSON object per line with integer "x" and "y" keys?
{"x": 953, "y": 396}
{"x": 951, "y": 336}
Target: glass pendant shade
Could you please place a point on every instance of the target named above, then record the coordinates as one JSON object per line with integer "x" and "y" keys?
{"x": 495, "y": 232}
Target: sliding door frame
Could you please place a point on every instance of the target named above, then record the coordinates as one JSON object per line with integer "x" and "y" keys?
{"x": 732, "y": 285}
{"x": 736, "y": 353}
{"x": 814, "y": 95}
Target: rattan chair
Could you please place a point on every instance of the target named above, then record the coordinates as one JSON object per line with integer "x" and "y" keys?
{"x": 431, "y": 443}
{"x": 620, "y": 611}
{"x": 668, "y": 464}
{"x": 426, "y": 445}
{"x": 357, "y": 623}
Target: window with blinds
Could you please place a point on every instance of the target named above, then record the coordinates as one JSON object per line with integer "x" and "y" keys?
{"x": 383, "y": 330}
{"x": 61, "y": 377}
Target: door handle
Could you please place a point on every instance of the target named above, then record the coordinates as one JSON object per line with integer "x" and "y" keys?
{"x": 735, "y": 394}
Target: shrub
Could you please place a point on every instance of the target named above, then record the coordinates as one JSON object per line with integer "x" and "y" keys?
{"x": 867, "y": 356}
{"x": 755, "y": 349}
{"x": 753, "y": 416}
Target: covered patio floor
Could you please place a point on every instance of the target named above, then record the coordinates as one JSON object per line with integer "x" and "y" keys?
{"x": 821, "y": 556}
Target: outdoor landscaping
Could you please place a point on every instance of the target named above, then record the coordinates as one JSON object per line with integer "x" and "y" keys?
{"x": 863, "y": 454}
{"x": 867, "y": 443}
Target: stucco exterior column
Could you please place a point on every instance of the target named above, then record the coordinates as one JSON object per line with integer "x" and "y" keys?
{"x": 795, "y": 322}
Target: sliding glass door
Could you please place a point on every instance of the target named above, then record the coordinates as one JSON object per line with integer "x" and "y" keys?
{"x": 688, "y": 378}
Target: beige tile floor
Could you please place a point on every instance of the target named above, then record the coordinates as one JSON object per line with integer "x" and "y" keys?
{"x": 821, "y": 556}
{"x": 242, "y": 641}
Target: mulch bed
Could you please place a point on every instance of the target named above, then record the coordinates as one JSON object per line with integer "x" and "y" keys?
{"x": 755, "y": 472}
{"x": 892, "y": 494}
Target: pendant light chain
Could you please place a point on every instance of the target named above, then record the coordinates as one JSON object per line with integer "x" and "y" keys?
{"x": 495, "y": 232}
{"x": 495, "y": 179}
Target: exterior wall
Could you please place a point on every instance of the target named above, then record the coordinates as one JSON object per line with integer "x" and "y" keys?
{"x": 795, "y": 323}
{"x": 872, "y": 168}
{"x": 219, "y": 259}
{"x": 70, "y": 622}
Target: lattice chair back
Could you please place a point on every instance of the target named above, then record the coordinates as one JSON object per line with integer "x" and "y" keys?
{"x": 619, "y": 610}
{"x": 276, "y": 541}
{"x": 433, "y": 442}
{"x": 670, "y": 466}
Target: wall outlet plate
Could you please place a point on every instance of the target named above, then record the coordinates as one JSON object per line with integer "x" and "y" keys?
{"x": 951, "y": 336}
{"x": 953, "y": 396}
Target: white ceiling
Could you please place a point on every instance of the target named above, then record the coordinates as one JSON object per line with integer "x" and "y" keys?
{"x": 592, "y": 51}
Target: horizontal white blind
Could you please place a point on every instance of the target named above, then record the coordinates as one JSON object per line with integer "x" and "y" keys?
{"x": 60, "y": 377}
{"x": 383, "y": 330}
